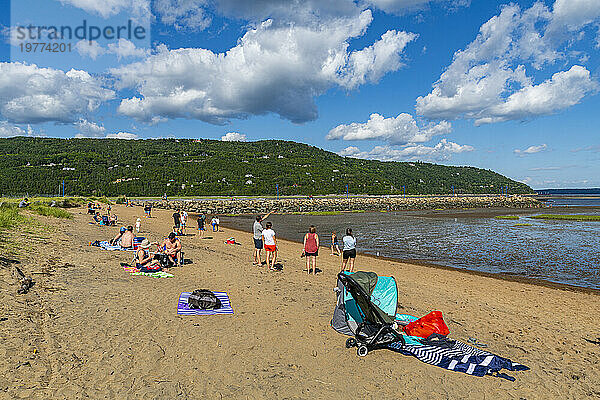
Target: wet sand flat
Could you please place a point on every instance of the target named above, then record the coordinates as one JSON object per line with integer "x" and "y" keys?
{"x": 90, "y": 330}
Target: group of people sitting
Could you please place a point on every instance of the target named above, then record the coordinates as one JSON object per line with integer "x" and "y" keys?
{"x": 169, "y": 255}
{"x": 145, "y": 260}
{"x": 107, "y": 220}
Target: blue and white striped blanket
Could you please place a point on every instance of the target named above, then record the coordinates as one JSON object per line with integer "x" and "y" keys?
{"x": 460, "y": 357}
{"x": 184, "y": 309}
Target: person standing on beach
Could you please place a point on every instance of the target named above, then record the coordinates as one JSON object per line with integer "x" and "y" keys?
{"x": 201, "y": 222}
{"x": 257, "y": 230}
{"x": 184, "y": 217}
{"x": 349, "y": 252}
{"x": 270, "y": 245}
{"x": 335, "y": 248}
{"x": 138, "y": 225}
{"x": 311, "y": 249}
{"x": 177, "y": 222}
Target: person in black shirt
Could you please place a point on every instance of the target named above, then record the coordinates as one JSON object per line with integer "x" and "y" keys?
{"x": 177, "y": 221}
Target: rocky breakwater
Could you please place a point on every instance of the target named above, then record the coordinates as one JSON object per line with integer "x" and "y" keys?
{"x": 295, "y": 205}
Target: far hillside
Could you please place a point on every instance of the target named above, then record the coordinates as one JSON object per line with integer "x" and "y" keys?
{"x": 112, "y": 167}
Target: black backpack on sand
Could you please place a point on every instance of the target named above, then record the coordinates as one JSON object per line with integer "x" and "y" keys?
{"x": 202, "y": 299}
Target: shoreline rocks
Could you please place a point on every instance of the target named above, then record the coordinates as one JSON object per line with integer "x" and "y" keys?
{"x": 295, "y": 205}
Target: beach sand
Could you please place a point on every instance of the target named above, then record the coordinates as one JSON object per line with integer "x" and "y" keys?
{"x": 88, "y": 329}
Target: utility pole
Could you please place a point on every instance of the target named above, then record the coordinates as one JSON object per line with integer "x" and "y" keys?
{"x": 347, "y": 192}
{"x": 404, "y": 190}
{"x": 63, "y": 188}
{"x": 277, "y": 187}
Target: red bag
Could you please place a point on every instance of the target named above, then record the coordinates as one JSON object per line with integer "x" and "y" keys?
{"x": 425, "y": 326}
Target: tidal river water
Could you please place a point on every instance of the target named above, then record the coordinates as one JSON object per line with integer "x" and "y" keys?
{"x": 556, "y": 251}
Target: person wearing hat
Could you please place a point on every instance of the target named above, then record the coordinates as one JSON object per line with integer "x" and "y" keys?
{"x": 117, "y": 239}
{"x": 144, "y": 261}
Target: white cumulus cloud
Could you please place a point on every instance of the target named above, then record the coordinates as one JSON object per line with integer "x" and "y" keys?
{"x": 89, "y": 129}
{"x": 233, "y": 137}
{"x": 89, "y": 48}
{"x": 122, "y": 135}
{"x": 488, "y": 81}
{"x": 440, "y": 152}
{"x": 30, "y": 94}
{"x": 531, "y": 150}
{"x": 183, "y": 14}
{"x": 402, "y": 129}
{"x": 273, "y": 69}
{"x": 126, "y": 49}
{"x": 109, "y": 8}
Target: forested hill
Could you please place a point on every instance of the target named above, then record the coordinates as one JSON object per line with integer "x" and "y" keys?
{"x": 208, "y": 167}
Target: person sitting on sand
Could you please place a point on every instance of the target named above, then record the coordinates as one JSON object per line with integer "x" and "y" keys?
{"x": 112, "y": 220}
{"x": 270, "y": 245}
{"x": 144, "y": 261}
{"x": 172, "y": 247}
{"x": 24, "y": 203}
{"x": 311, "y": 249}
{"x": 335, "y": 248}
{"x": 127, "y": 238}
{"x": 97, "y": 218}
{"x": 349, "y": 252}
{"x": 117, "y": 239}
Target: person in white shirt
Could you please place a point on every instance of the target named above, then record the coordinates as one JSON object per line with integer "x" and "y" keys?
{"x": 138, "y": 225}
{"x": 184, "y": 217}
{"x": 349, "y": 251}
{"x": 270, "y": 242}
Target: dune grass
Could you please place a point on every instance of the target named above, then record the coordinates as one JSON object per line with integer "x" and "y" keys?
{"x": 506, "y": 217}
{"x": 567, "y": 217}
{"x": 47, "y": 211}
{"x": 522, "y": 225}
{"x": 9, "y": 216}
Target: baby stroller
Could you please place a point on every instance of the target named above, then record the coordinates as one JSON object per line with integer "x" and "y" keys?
{"x": 366, "y": 309}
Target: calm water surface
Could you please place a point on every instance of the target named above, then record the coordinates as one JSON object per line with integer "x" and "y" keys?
{"x": 557, "y": 251}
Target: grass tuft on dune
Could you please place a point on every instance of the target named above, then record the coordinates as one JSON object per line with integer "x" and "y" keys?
{"x": 47, "y": 211}
{"x": 9, "y": 216}
{"x": 506, "y": 217}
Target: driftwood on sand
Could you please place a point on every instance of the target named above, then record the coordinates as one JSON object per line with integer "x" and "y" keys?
{"x": 25, "y": 282}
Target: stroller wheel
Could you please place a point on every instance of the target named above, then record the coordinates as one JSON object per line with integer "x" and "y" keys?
{"x": 351, "y": 342}
{"x": 362, "y": 350}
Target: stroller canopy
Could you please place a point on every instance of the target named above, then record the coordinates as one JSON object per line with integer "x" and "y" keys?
{"x": 350, "y": 309}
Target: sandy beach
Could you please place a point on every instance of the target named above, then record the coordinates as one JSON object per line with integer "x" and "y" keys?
{"x": 88, "y": 329}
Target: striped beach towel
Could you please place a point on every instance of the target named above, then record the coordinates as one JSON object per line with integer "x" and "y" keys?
{"x": 184, "y": 309}
{"x": 460, "y": 357}
{"x": 136, "y": 272}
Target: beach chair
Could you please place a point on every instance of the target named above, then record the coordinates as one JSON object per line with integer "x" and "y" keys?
{"x": 366, "y": 310}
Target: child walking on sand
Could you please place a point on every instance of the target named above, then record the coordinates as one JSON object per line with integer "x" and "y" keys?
{"x": 138, "y": 225}
{"x": 335, "y": 248}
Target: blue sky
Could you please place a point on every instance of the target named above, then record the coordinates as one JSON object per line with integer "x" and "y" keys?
{"x": 508, "y": 87}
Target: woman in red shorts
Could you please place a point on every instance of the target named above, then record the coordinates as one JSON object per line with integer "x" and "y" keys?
{"x": 270, "y": 245}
